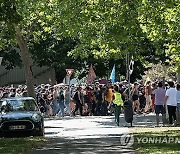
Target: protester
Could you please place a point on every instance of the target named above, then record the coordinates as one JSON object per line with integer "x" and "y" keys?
{"x": 160, "y": 103}
{"x": 148, "y": 92}
{"x": 118, "y": 102}
{"x": 54, "y": 101}
{"x": 142, "y": 98}
{"x": 89, "y": 95}
{"x": 171, "y": 102}
{"x": 135, "y": 98}
{"x": 61, "y": 102}
{"x": 78, "y": 101}
{"x": 67, "y": 100}
{"x": 109, "y": 97}
{"x": 99, "y": 99}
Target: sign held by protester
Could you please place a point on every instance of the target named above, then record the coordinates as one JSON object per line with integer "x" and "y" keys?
{"x": 91, "y": 75}
{"x": 69, "y": 72}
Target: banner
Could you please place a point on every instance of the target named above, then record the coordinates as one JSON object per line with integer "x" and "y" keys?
{"x": 91, "y": 75}
{"x": 112, "y": 77}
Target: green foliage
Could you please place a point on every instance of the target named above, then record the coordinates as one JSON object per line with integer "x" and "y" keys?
{"x": 106, "y": 30}
{"x": 160, "y": 20}
{"x": 112, "y": 26}
{"x": 52, "y": 53}
{"x": 11, "y": 57}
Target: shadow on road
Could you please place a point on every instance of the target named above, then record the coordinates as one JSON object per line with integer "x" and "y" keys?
{"x": 81, "y": 135}
{"x": 109, "y": 144}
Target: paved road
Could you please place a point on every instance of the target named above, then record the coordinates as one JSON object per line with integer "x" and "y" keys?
{"x": 90, "y": 135}
{"x": 81, "y": 135}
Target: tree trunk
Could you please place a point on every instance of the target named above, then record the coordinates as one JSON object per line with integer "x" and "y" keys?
{"x": 26, "y": 62}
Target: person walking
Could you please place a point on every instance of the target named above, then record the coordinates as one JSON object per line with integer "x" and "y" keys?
{"x": 148, "y": 92}
{"x": 135, "y": 98}
{"x": 54, "y": 101}
{"x": 78, "y": 101}
{"x": 118, "y": 102}
{"x": 61, "y": 102}
{"x": 89, "y": 100}
{"x": 159, "y": 102}
{"x": 99, "y": 99}
{"x": 109, "y": 97}
{"x": 67, "y": 100}
{"x": 171, "y": 102}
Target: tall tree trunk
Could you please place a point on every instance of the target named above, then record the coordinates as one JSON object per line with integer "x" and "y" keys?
{"x": 26, "y": 62}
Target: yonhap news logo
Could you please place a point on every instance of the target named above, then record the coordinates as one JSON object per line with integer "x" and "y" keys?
{"x": 126, "y": 140}
{"x": 158, "y": 140}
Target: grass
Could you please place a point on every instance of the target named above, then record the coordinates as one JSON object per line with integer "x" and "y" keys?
{"x": 19, "y": 145}
{"x": 167, "y": 147}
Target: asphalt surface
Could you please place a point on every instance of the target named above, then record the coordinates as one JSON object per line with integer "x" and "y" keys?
{"x": 89, "y": 135}
{"x": 92, "y": 134}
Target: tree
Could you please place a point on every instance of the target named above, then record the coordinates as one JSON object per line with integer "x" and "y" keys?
{"x": 105, "y": 29}
{"x": 53, "y": 53}
{"x": 160, "y": 21}
{"x": 159, "y": 72}
{"x": 19, "y": 17}
{"x": 111, "y": 26}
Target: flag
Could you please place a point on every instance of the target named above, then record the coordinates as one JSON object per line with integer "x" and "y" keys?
{"x": 131, "y": 67}
{"x": 91, "y": 75}
{"x": 112, "y": 77}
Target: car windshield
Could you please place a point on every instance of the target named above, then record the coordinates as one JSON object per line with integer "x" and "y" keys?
{"x": 18, "y": 105}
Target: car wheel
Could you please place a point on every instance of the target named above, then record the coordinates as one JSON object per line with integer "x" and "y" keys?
{"x": 40, "y": 132}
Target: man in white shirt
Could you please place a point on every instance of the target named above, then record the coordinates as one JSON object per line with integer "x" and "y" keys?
{"x": 171, "y": 102}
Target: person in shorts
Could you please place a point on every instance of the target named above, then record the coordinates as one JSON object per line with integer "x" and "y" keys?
{"x": 135, "y": 97}
{"x": 171, "y": 102}
{"x": 148, "y": 92}
{"x": 160, "y": 103}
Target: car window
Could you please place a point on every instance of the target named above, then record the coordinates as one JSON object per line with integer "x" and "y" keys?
{"x": 30, "y": 105}
{"x": 23, "y": 105}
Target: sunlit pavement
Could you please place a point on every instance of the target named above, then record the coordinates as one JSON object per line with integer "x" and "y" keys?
{"x": 79, "y": 135}
{"x": 91, "y": 135}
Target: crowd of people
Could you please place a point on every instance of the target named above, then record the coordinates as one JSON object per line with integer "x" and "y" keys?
{"x": 104, "y": 99}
